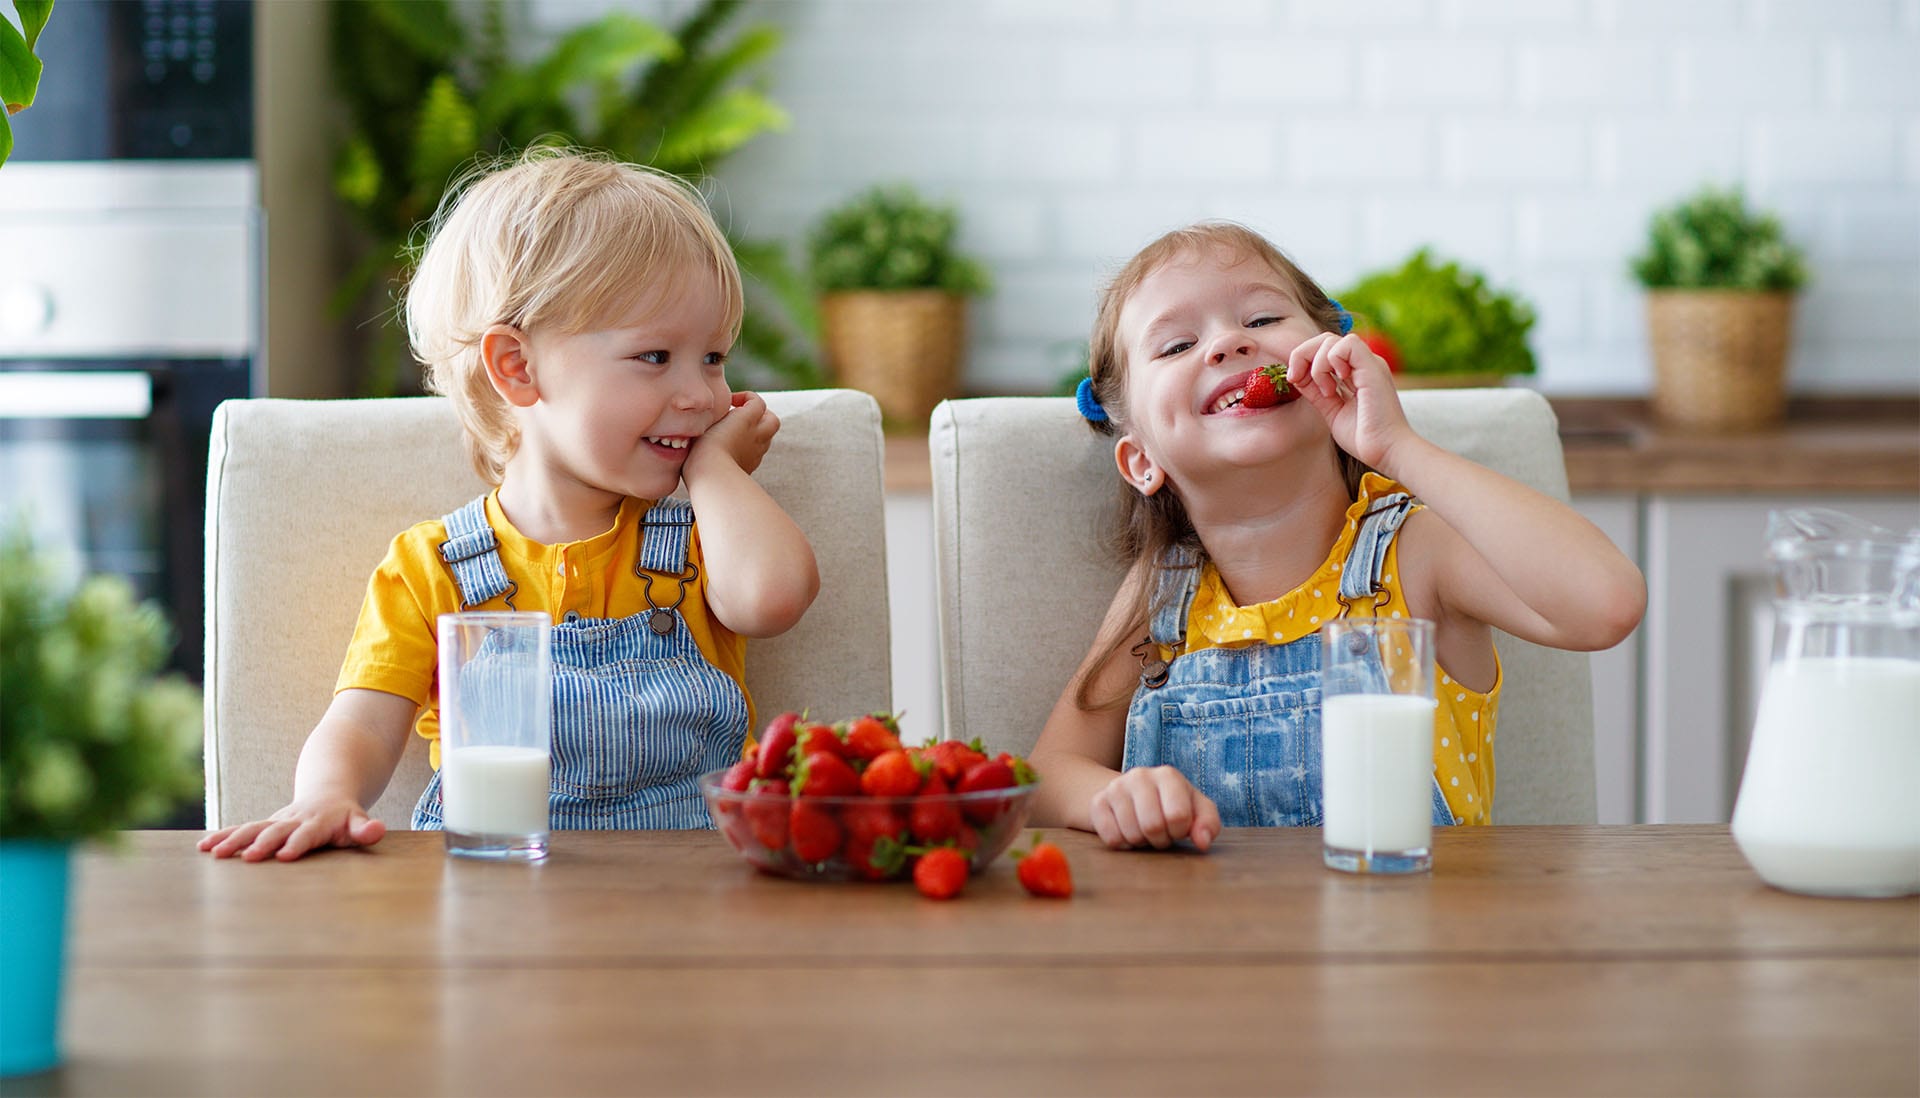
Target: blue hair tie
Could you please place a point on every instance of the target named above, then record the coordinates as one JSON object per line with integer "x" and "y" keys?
{"x": 1346, "y": 318}
{"x": 1089, "y": 404}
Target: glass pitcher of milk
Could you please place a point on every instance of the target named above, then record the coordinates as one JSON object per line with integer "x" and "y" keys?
{"x": 1830, "y": 803}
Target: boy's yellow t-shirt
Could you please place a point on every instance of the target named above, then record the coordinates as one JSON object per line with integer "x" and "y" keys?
{"x": 1462, "y": 721}
{"x": 394, "y": 647}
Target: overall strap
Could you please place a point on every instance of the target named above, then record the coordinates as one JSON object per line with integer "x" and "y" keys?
{"x": 1360, "y": 576}
{"x": 474, "y": 557}
{"x": 665, "y": 531}
{"x": 1176, "y": 578}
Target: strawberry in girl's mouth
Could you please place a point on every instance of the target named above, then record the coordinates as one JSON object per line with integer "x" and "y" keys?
{"x": 1265, "y": 388}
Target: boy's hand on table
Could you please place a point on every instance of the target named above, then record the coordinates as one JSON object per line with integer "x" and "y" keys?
{"x": 1154, "y": 806}
{"x": 299, "y": 828}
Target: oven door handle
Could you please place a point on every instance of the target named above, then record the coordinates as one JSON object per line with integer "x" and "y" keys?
{"x": 75, "y": 394}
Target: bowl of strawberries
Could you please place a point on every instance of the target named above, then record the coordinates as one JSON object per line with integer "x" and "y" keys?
{"x": 848, "y": 801}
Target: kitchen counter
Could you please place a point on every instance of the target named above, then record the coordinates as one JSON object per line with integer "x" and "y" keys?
{"x": 1827, "y": 444}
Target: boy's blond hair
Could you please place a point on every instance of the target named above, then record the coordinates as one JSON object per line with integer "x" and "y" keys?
{"x": 555, "y": 239}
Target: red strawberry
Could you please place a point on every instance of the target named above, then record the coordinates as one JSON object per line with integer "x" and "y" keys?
{"x": 869, "y": 738}
{"x": 893, "y": 774}
{"x": 736, "y": 779}
{"x": 875, "y": 834}
{"x": 934, "y": 818}
{"x": 816, "y": 834}
{"x": 980, "y": 778}
{"x": 1267, "y": 387}
{"x": 1043, "y": 870}
{"x": 952, "y": 757}
{"x": 820, "y": 737}
{"x": 1379, "y": 344}
{"x": 941, "y": 873}
{"x": 766, "y": 814}
{"x": 825, "y": 774}
{"x": 776, "y": 747}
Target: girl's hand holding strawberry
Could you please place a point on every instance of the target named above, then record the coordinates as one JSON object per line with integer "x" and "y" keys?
{"x": 1352, "y": 389}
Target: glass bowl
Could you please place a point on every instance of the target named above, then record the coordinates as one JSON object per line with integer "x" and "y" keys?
{"x": 860, "y": 838}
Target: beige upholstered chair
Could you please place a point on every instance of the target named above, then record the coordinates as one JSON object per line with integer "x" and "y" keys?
{"x": 303, "y": 497}
{"x": 1021, "y": 489}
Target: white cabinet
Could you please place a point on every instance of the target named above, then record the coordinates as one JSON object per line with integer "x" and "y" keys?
{"x": 1704, "y": 644}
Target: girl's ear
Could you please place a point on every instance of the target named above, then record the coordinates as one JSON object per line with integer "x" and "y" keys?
{"x": 1136, "y": 468}
{"x": 504, "y": 350}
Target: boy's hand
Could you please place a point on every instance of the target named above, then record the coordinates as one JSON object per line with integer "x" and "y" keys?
{"x": 1154, "y": 805}
{"x": 1352, "y": 389}
{"x": 295, "y": 830}
{"x": 742, "y": 434}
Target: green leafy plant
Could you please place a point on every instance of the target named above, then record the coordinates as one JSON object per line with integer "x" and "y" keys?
{"x": 92, "y": 739}
{"x": 1712, "y": 241}
{"x": 889, "y": 238}
{"x": 1444, "y": 318}
{"x": 19, "y": 68}
{"x": 430, "y": 86}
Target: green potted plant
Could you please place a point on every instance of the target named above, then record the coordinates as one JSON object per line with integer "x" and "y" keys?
{"x": 429, "y": 86}
{"x": 1720, "y": 280}
{"x": 19, "y": 68}
{"x": 92, "y": 740}
{"x": 893, "y": 296}
{"x": 1440, "y": 324}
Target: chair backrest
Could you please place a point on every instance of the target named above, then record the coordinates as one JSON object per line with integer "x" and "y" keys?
{"x": 304, "y": 496}
{"x": 1022, "y": 492}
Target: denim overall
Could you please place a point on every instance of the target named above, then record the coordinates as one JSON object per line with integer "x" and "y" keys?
{"x": 1243, "y": 724}
{"x": 638, "y": 712}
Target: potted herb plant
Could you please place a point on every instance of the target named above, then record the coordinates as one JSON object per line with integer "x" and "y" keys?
{"x": 1720, "y": 281}
{"x": 19, "y": 68}
{"x": 92, "y": 740}
{"x": 1442, "y": 325}
{"x": 893, "y": 296}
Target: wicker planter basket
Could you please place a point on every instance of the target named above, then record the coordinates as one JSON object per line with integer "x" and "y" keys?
{"x": 903, "y": 346}
{"x": 1719, "y": 357}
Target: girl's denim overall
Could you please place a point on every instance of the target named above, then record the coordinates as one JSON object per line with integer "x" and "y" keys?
{"x": 638, "y": 712}
{"x": 1243, "y": 724}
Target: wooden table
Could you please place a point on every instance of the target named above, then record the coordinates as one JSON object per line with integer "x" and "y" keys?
{"x": 1534, "y": 960}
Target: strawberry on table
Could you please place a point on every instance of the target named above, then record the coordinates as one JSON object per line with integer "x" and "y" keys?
{"x": 1043, "y": 870}
{"x": 941, "y": 873}
{"x": 1267, "y": 387}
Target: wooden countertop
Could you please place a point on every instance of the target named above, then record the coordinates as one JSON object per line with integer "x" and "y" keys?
{"x": 1532, "y": 960}
{"x": 1827, "y": 445}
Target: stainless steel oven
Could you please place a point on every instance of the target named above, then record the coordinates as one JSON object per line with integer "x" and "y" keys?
{"x": 130, "y": 241}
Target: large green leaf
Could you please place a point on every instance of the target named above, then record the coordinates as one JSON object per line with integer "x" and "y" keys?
{"x": 717, "y": 128}
{"x": 33, "y": 17}
{"x": 431, "y": 29}
{"x": 602, "y": 50}
{"x": 445, "y": 137}
{"x": 19, "y": 69}
{"x": 705, "y": 76}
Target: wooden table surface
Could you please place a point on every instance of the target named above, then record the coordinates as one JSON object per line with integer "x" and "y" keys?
{"x": 1533, "y": 960}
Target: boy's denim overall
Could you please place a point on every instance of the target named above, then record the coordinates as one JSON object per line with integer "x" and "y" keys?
{"x": 638, "y": 712}
{"x": 1243, "y": 724}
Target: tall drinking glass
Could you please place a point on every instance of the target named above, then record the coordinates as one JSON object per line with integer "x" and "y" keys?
{"x": 496, "y": 733}
{"x": 1376, "y": 743}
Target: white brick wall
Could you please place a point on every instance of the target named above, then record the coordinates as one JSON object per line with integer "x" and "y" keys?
{"x": 1529, "y": 137}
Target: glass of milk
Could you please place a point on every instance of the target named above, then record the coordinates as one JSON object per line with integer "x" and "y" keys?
{"x": 1376, "y": 744}
{"x": 496, "y": 733}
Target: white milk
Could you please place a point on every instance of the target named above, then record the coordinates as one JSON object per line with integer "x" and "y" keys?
{"x": 1377, "y": 763}
{"x": 1830, "y": 802}
{"x": 492, "y": 790}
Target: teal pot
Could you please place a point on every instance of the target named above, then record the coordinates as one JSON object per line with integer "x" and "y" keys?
{"x": 33, "y": 937}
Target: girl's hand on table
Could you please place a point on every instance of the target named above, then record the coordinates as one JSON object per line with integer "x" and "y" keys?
{"x": 1153, "y": 806}
{"x": 299, "y": 828}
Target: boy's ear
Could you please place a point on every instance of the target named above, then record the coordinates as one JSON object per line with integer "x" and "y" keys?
{"x": 1136, "y": 467}
{"x": 504, "y": 350}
